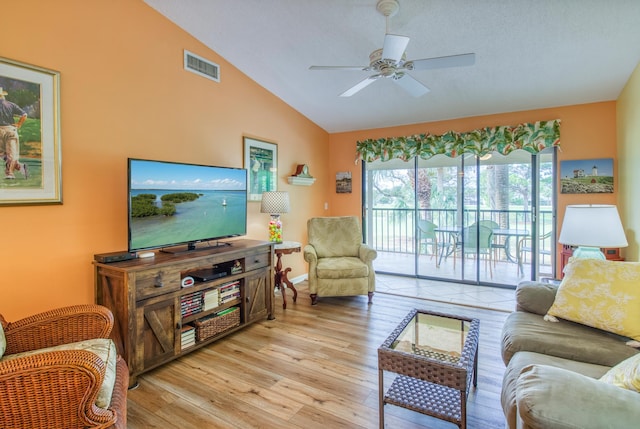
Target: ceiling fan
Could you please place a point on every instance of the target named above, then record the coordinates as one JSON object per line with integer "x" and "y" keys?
{"x": 390, "y": 61}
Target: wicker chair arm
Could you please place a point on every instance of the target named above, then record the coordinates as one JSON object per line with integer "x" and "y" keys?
{"x": 60, "y": 326}
{"x": 119, "y": 397}
{"x": 59, "y": 387}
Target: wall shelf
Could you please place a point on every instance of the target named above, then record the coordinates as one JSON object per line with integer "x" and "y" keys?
{"x": 301, "y": 181}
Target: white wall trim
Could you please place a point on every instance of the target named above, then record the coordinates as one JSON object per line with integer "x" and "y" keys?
{"x": 299, "y": 279}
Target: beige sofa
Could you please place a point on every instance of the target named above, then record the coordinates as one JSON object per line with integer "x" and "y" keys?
{"x": 551, "y": 379}
{"x": 339, "y": 263}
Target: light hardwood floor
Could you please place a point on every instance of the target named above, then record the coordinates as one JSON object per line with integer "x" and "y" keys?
{"x": 311, "y": 367}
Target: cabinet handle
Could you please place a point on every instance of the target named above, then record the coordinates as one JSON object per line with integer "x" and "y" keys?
{"x": 179, "y": 325}
{"x": 158, "y": 281}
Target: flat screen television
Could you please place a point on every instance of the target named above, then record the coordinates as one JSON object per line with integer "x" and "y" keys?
{"x": 172, "y": 206}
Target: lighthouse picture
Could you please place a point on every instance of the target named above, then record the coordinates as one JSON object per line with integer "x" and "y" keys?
{"x": 587, "y": 176}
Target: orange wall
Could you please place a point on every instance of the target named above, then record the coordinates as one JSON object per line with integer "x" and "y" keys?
{"x": 124, "y": 94}
{"x": 587, "y": 131}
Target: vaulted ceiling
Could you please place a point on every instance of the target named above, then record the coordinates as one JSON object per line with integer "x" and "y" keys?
{"x": 529, "y": 53}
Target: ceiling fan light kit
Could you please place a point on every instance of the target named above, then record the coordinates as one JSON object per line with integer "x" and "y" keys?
{"x": 391, "y": 62}
{"x": 388, "y": 7}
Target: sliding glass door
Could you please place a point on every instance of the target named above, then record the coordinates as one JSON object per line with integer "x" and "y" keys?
{"x": 482, "y": 220}
{"x": 390, "y": 214}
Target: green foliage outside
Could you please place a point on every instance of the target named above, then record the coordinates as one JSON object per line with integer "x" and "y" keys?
{"x": 143, "y": 205}
{"x": 394, "y": 188}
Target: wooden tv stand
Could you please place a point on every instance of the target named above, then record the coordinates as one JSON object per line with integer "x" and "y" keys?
{"x": 152, "y": 310}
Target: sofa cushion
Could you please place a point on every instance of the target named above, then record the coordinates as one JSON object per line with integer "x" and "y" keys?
{"x": 549, "y": 397}
{"x": 522, "y": 360}
{"x": 524, "y": 331}
{"x": 535, "y": 297}
{"x": 341, "y": 268}
{"x": 601, "y": 294}
{"x": 626, "y": 374}
{"x": 103, "y": 347}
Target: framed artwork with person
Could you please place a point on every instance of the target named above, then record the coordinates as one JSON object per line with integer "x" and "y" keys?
{"x": 29, "y": 134}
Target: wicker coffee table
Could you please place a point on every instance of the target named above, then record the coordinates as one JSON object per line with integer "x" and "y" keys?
{"x": 435, "y": 359}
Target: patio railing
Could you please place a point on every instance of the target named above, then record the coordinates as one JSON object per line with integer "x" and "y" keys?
{"x": 394, "y": 230}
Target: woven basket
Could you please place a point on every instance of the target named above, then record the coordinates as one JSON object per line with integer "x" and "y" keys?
{"x": 208, "y": 327}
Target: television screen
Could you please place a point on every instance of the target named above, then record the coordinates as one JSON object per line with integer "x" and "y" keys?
{"x": 174, "y": 203}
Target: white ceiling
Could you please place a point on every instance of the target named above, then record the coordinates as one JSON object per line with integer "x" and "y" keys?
{"x": 529, "y": 53}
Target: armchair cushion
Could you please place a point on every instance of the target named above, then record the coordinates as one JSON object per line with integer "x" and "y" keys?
{"x": 341, "y": 268}
{"x": 106, "y": 351}
{"x": 325, "y": 230}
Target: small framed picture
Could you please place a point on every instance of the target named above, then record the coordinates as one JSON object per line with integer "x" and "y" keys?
{"x": 586, "y": 176}
{"x": 29, "y": 134}
{"x": 343, "y": 182}
{"x": 261, "y": 162}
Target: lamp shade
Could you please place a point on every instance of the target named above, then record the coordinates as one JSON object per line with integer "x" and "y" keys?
{"x": 592, "y": 225}
{"x": 275, "y": 202}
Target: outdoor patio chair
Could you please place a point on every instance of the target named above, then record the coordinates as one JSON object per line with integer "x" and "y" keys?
{"x": 476, "y": 240}
{"x": 428, "y": 237}
{"x": 495, "y": 244}
{"x": 524, "y": 245}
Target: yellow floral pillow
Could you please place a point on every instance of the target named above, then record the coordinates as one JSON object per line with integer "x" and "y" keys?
{"x": 626, "y": 374}
{"x": 601, "y": 294}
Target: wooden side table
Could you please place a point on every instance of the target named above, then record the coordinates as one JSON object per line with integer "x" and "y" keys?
{"x": 281, "y": 279}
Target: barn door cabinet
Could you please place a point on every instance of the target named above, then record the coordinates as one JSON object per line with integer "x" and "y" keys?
{"x": 161, "y": 314}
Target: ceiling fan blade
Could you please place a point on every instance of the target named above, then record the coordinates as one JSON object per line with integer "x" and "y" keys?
{"x": 394, "y": 47}
{"x": 360, "y": 85}
{"x": 410, "y": 85}
{"x": 354, "y": 68}
{"x": 442, "y": 62}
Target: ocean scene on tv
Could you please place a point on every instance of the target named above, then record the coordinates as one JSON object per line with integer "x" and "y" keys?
{"x": 172, "y": 203}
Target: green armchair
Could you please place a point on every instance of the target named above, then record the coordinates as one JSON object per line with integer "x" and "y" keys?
{"x": 339, "y": 263}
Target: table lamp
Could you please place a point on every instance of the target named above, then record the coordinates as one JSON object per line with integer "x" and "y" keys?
{"x": 275, "y": 203}
{"x": 591, "y": 227}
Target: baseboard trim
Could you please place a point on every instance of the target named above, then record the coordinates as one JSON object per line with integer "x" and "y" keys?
{"x": 299, "y": 279}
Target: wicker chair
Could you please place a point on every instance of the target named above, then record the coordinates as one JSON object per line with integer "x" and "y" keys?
{"x": 58, "y": 389}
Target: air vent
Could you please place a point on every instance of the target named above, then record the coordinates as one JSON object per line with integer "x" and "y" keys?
{"x": 201, "y": 66}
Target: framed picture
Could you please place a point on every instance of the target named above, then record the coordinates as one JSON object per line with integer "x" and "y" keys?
{"x": 343, "y": 182}
{"x": 29, "y": 134}
{"x": 586, "y": 176}
{"x": 261, "y": 161}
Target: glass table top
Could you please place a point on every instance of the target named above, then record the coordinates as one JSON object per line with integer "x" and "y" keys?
{"x": 433, "y": 336}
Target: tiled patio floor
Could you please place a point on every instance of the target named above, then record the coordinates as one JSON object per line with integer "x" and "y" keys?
{"x": 457, "y": 293}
